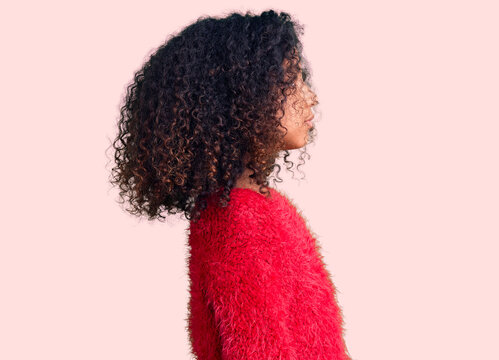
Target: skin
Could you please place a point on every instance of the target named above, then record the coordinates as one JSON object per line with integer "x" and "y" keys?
{"x": 298, "y": 109}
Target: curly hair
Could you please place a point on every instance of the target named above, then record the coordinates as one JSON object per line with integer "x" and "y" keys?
{"x": 205, "y": 106}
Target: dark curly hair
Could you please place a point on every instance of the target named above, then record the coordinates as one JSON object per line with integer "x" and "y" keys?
{"x": 204, "y": 107}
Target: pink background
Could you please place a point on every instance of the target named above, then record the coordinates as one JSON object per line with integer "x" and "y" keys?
{"x": 401, "y": 187}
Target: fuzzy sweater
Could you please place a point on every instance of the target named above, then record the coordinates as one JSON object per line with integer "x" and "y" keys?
{"x": 259, "y": 288}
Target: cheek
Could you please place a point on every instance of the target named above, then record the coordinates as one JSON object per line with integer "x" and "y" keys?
{"x": 296, "y": 137}
{"x": 291, "y": 120}
{"x": 289, "y": 128}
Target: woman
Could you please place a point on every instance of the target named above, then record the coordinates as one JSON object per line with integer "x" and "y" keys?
{"x": 201, "y": 128}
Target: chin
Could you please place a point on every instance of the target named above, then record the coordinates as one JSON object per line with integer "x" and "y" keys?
{"x": 297, "y": 142}
{"x": 296, "y": 145}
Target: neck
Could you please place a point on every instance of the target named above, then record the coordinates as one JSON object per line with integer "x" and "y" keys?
{"x": 244, "y": 181}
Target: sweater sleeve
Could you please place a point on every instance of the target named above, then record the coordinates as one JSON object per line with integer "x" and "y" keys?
{"x": 247, "y": 296}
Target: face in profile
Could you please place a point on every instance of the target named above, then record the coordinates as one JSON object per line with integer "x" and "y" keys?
{"x": 297, "y": 110}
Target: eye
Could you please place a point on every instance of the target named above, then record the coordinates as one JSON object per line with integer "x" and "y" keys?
{"x": 299, "y": 79}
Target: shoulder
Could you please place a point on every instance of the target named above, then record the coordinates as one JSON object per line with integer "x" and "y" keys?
{"x": 244, "y": 206}
{"x": 255, "y": 212}
{"x": 248, "y": 225}
{"x": 248, "y": 205}
{"x": 248, "y": 215}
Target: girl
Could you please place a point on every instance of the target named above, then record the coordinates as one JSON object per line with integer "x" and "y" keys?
{"x": 200, "y": 131}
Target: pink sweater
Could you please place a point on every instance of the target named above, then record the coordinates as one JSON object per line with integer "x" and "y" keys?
{"x": 259, "y": 288}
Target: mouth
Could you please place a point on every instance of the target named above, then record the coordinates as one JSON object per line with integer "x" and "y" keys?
{"x": 309, "y": 120}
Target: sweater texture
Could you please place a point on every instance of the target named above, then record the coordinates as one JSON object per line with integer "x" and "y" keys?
{"x": 259, "y": 288}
